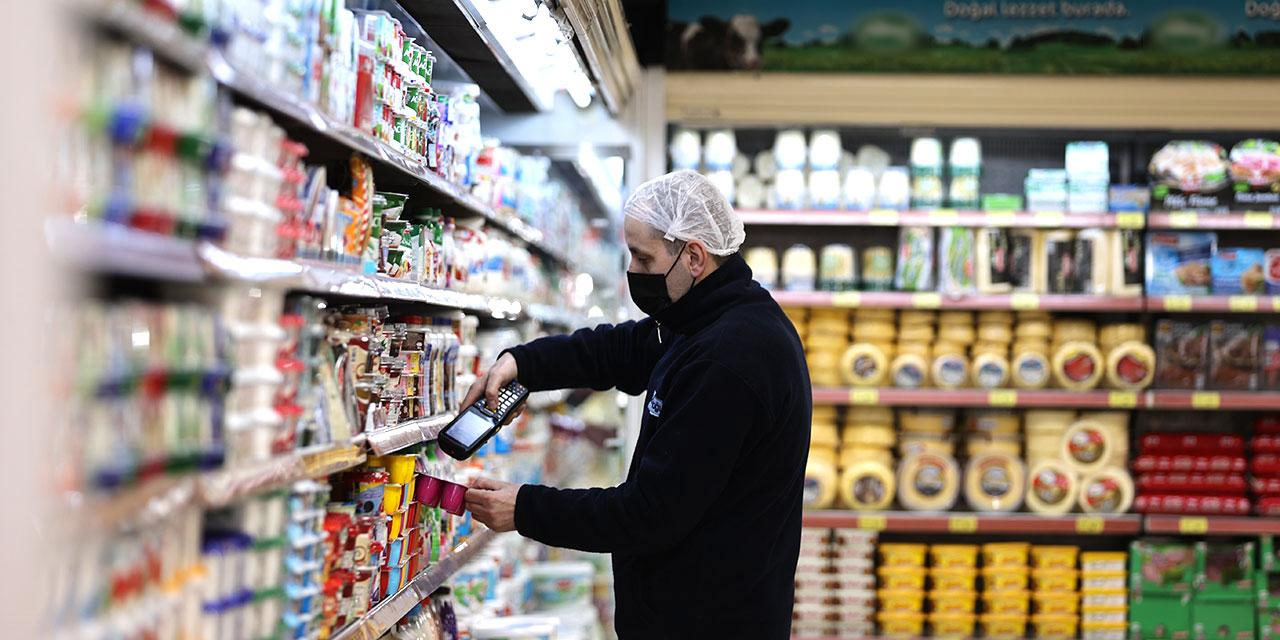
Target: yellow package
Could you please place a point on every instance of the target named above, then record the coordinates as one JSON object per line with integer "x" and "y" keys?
{"x": 1054, "y": 626}
{"x": 906, "y": 600}
{"x": 998, "y": 625}
{"x": 1054, "y": 556}
{"x": 1104, "y": 561}
{"x": 1010, "y": 602}
{"x": 1004, "y": 578}
{"x": 951, "y": 625}
{"x": 1005, "y": 554}
{"x": 900, "y": 624}
{"x": 902, "y": 555}
{"x": 952, "y": 601}
{"x": 1065, "y": 603}
{"x": 1053, "y": 579}
{"x": 954, "y": 555}
{"x": 953, "y": 579}
{"x": 901, "y": 578}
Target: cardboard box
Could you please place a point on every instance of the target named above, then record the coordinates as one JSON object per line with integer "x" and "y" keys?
{"x": 1223, "y": 618}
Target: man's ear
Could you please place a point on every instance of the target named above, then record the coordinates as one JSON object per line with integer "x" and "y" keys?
{"x": 699, "y": 259}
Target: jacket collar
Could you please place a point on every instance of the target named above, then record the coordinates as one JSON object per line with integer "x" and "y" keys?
{"x": 709, "y": 299}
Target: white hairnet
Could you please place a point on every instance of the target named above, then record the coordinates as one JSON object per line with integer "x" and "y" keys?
{"x": 685, "y": 205}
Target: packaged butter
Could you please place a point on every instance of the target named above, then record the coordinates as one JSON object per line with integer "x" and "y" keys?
{"x": 1048, "y": 625}
{"x": 996, "y": 625}
{"x": 1061, "y": 603}
{"x": 1054, "y": 556}
{"x": 1005, "y": 554}
{"x": 953, "y": 555}
{"x": 1004, "y": 578}
{"x": 1053, "y": 580}
{"x": 951, "y": 625}
{"x": 1006, "y": 601}
{"x": 902, "y": 554}
{"x": 952, "y": 601}
{"x": 908, "y": 600}
{"x": 953, "y": 578}
{"x": 901, "y": 578}
{"x": 901, "y": 624}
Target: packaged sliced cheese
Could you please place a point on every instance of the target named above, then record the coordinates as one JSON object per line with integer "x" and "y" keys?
{"x": 1077, "y": 366}
{"x": 1107, "y": 491}
{"x": 1087, "y": 445}
{"x": 867, "y": 486}
{"x": 1029, "y": 370}
{"x": 864, "y": 365}
{"x": 819, "y": 484}
{"x": 909, "y": 371}
{"x": 950, "y": 371}
{"x": 990, "y": 371}
{"x": 868, "y": 415}
{"x": 992, "y": 260}
{"x": 1131, "y": 366}
{"x": 928, "y": 482}
{"x": 994, "y": 482}
{"x": 870, "y": 435}
{"x": 1052, "y": 488}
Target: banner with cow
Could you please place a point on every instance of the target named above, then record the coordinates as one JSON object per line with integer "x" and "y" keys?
{"x": 1204, "y": 37}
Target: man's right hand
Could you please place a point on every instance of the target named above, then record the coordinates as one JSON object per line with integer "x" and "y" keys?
{"x": 492, "y": 382}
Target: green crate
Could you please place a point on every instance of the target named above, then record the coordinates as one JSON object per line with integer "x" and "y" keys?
{"x": 1160, "y": 616}
{"x": 1223, "y": 617}
{"x": 1162, "y": 567}
{"x": 1226, "y": 569}
{"x": 1267, "y": 560}
{"x": 1268, "y": 624}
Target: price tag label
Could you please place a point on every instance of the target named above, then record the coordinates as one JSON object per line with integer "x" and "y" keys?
{"x": 1090, "y": 525}
{"x": 1184, "y": 220}
{"x": 1206, "y": 400}
{"x": 1122, "y": 399}
{"x": 872, "y": 523}
{"x": 1198, "y": 525}
{"x": 846, "y": 299}
{"x": 945, "y": 217}
{"x": 1275, "y": 303}
{"x": 926, "y": 300}
{"x": 1177, "y": 303}
{"x": 1003, "y": 398}
{"x": 883, "y": 217}
{"x": 1024, "y": 301}
{"x": 962, "y": 524}
{"x": 1049, "y": 218}
{"x": 1130, "y": 220}
{"x": 1259, "y": 220}
{"x": 864, "y": 397}
{"x": 1242, "y": 304}
{"x": 1002, "y": 219}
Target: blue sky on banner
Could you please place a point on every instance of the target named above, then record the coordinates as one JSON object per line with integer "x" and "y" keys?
{"x": 826, "y": 20}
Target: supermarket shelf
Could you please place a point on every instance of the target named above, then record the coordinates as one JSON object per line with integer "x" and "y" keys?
{"x": 123, "y": 251}
{"x": 1097, "y": 399}
{"x": 223, "y": 487}
{"x": 407, "y": 434}
{"x": 1007, "y": 523}
{"x": 941, "y": 218}
{"x": 934, "y": 300}
{"x": 151, "y": 498}
{"x": 1194, "y": 220}
{"x": 1211, "y": 525}
{"x": 388, "y": 612}
{"x": 168, "y": 40}
{"x": 1215, "y": 304}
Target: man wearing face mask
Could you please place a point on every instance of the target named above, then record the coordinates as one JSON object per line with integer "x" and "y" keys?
{"x": 705, "y": 530}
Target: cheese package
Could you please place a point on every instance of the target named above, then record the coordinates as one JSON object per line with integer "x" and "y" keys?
{"x": 955, "y": 317}
{"x": 1030, "y": 370}
{"x": 928, "y": 482}
{"x": 990, "y": 371}
{"x": 1062, "y": 274}
{"x": 853, "y": 454}
{"x": 1077, "y": 366}
{"x": 1052, "y": 488}
{"x": 864, "y": 365}
{"x": 950, "y": 371}
{"x": 920, "y": 443}
{"x": 823, "y": 434}
{"x": 908, "y": 317}
{"x": 996, "y": 422}
{"x": 1182, "y": 355}
{"x": 992, "y": 255}
{"x": 910, "y": 600}
{"x": 874, "y": 331}
{"x": 1006, "y": 602}
{"x": 994, "y": 482}
{"x": 1053, "y": 623}
{"x": 999, "y": 333}
{"x": 868, "y": 415}
{"x": 978, "y": 444}
{"x": 1087, "y": 446}
{"x": 1126, "y": 275}
{"x": 1074, "y": 330}
{"x": 1107, "y": 491}
{"x": 824, "y": 413}
{"x": 916, "y": 333}
{"x": 867, "y": 486}
{"x": 1027, "y": 269}
{"x": 926, "y": 421}
{"x": 799, "y": 268}
{"x": 1131, "y": 366}
{"x": 819, "y": 484}
{"x": 870, "y": 435}
{"x": 952, "y": 601}
{"x": 901, "y": 624}
{"x": 909, "y": 371}
{"x": 956, "y": 260}
{"x": 901, "y": 554}
{"x": 1040, "y": 330}
{"x": 1055, "y": 580}
{"x": 1054, "y": 421}
{"x": 1004, "y": 578}
{"x": 915, "y": 259}
{"x": 1093, "y": 261}
{"x": 1114, "y": 334}
{"x": 898, "y": 578}
{"x": 826, "y": 454}
{"x": 996, "y": 625}
{"x": 837, "y": 268}
{"x": 962, "y": 334}
{"x": 959, "y": 579}
{"x": 922, "y": 349}
{"x": 947, "y": 624}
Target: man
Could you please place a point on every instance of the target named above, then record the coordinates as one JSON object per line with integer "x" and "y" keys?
{"x": 705, "y": 531}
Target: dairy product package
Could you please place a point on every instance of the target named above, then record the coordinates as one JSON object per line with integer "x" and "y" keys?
{"x": 1238, "y": 270}
{"x": 991, "y": 260}
{"x": 956, "y": 260}
{"x": 915, "y": 259}
{"x": 1180, "y": 263}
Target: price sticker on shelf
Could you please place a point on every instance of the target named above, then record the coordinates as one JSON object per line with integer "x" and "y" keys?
{"x": 962, "y": 524}
{"x": 1122, "y": 399}
{"x": 945, "y": 217}
{"x": 846, "y": 299}
{"x": 1130, "y": 220}
{"x": 1242, "y": 304}
{"x": 872, "y": 523}
{"x": 1275, "y": 303}
{"x": 1001, "y": 219}
{"x": 1049, "y": 218}
{"x": 1184, "y": 220}
{"x": 1259, "y": 220}
{"x": 864, "y": 397}
{"x": 1024, "y": 301}
{"x": 1206, "y": 400}
{"x": 1090, "y": 524}
{"x": 883, "y": 217}
{"x": 1196, "y": 526}
{"x": 1003, "y": 398}
{"x": 1176, "y": 303}
{"x": 926, "y": 300}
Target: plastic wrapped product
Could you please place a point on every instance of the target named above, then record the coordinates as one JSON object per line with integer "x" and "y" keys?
{"x": 789, "y": 189}
{"x": 894, "y": 190}
{"x": 1027, "y": 268}
{"x": 1077, "y": 366}
{"x": 966, "y": 167}
{"x": 867, "y": 486}
{"x": 749, "y": 192}
{"x": 909, "y": 371}
{"x": 990, "y": 371}
{"x": 799, "y": 267}
{"x": 763, "y": 262}
{"x": 1087, "y": 446}
{"x": 994, "y": 482}
{"x": 1269, "y": 377}
{"x": 1107, "y": 491}
{"x": 950, "y": 371}
{"x": 956, "y": 270}
{"x": 1256, "y": 162}
{"x": 1062, "y": 273}
{"x": 1182, "y": 355}
{"x": 824, "y": 189}
{"x": 869, "y": 435}
{"x": 1093, "y": 261}
{"x": 864, "y": 365}
{"x": 1238, "y": 270}
{"x": 915, "y": 259}
{"x": 928, "y": 482}
{"x": 838, "y": 268}
{"x": 1126, "y": 273}
{"x": 877, "y": 269}
{"x": 859, "y": 189}
{"x": 819, "y": 484}
{"x": 1052, "y": 488}
{"x": 1131, "y": 365}
{"x": 1235, "y": 355}
{"x": 1194, "y": 166}
{"x": 1179, "y": 262}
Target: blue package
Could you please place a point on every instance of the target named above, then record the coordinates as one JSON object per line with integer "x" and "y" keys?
{"x": 1180, "y": 263}
{"x": 1238, "y": 270}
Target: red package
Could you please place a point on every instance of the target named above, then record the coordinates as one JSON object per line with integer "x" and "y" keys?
{"x": 1191, "y": 444}
{"x": 1267, "y": 424}
{"x": 1217, "y": 483}
{"x": 1265, "y": 444}
{"x": 1191, "y": 504}
{"x": 1265, "y": 486}
{"x": 1269, "y": 506}
{"x": 1199, "y": 464}
{"x": 1266, "y": 465}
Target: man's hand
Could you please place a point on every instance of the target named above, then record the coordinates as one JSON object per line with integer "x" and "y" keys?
{"x": 489, "y": 384}
{"x": 493, "y": 503}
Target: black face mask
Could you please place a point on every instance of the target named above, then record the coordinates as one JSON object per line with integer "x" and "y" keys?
{"x": 649, "y": 290}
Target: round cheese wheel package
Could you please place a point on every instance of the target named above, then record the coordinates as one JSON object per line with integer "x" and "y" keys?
{"x": 1107, "y": 491}
{"x": 979, "y": 443}
{"x": 823, "y": 434}
{"x": 917, "y": 317}
{"x": 990, "y": 371}
{"x": 994, "y": 482}
{"x": 920, "y": 443}
{"x": 994, "y": 348}
{"x": 1131, "y": 365}
{"x": 819, "y": 484}
{"x": 1029, "y": 370}
{"x": 950, "y": 371}
{"x": 864, "y": 365}
{"x": 867, "y": 486}
{"x": 955, "y": 317}
{"x": 826, "y": 454}
{"x": 1114, "y": 334}
{"x": 872, "y": 314}
{"x": 1087, "y": 445}
{"x": 998, "y": 333}
{"x": 1052, "y": 488}
{"x": 824, "y": 413}
{"x": 870, "y": 435}
{"x": 916, "y": 333}
{"x": 928, "y": 482}
{"x": 909, "y": 371}
{"x": 926, "y": 421}
{"x": 957, "y": 334}
{"x": 996, "y": 422}
{"x": 874, "y": 331}
{"x": 868, "y": 415}
{"x": 1077, "y": 366}
{"x": 922, "y": 349}
{"x": 852, "y": 455}
{"x": 995, "y": 316}
{"x": 1033, "y": 330}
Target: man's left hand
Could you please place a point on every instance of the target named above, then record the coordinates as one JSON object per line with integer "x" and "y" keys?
{"x": 493, "y": 503}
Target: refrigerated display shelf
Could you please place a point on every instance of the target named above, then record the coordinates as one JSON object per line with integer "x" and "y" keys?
{"x": 387, "y": 613}
{"x": 1214, "y": 304}
{"x": 166, "y": 38}
{"x": 975, "y": 523}
{"x": 1007, "y": 398}
{"x": 1224, "y": 221}
{"x": 407, "y": 434}
{"x": 223, "y": 487}
{"x": 935, "y": 300}
{"x": 1211, "y": 525}
{"x": 940, "y": 218}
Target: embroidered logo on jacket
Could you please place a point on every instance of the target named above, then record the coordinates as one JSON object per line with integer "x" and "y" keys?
{"x": 655, "y": 406}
